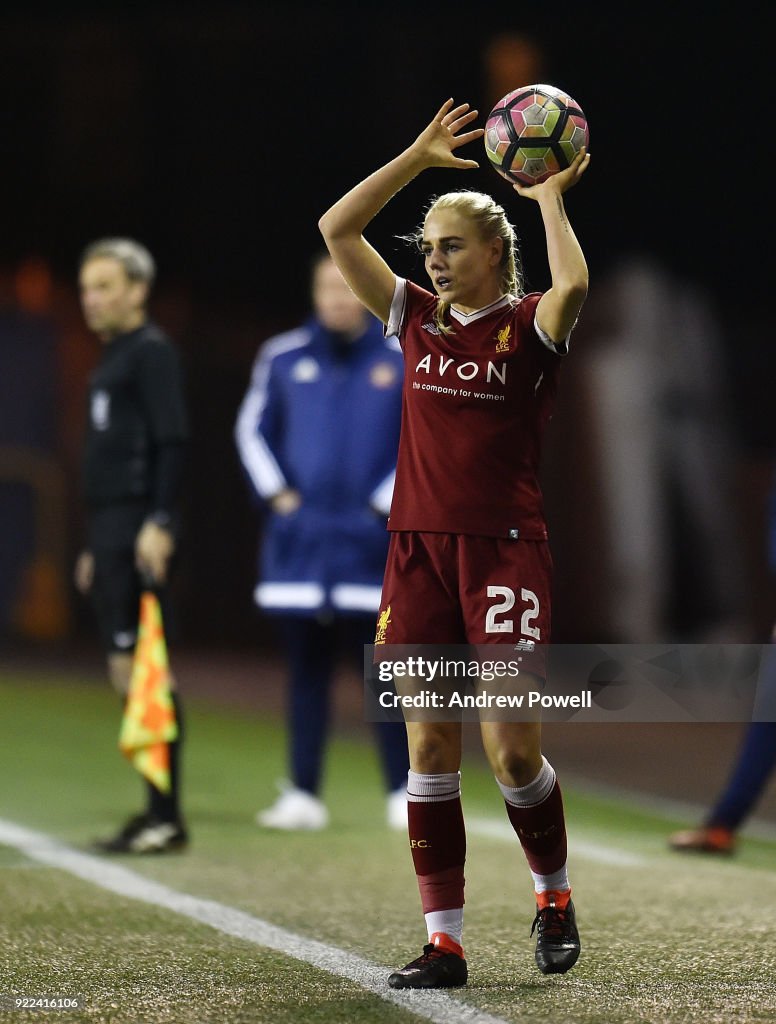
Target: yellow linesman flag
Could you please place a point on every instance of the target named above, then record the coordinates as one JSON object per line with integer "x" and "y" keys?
{"x": 149, "y": 722}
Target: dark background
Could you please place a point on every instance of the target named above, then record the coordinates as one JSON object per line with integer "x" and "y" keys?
{"x": 218, "y": 135}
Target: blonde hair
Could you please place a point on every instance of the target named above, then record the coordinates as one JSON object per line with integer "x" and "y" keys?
{"x": 490, "y": 220}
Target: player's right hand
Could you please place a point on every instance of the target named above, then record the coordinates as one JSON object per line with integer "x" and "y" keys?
{"x": 437, "y": 143}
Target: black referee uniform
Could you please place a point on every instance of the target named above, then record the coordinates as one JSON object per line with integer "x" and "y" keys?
{"x": 133, "y": 459}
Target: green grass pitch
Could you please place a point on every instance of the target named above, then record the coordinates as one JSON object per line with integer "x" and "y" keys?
{"x": 665, "y": 938}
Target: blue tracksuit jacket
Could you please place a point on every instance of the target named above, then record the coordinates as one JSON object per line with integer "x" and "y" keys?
{"x": 322, "y": 416}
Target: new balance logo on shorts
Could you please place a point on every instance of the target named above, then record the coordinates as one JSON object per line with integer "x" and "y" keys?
{"x": 525, "y": 645}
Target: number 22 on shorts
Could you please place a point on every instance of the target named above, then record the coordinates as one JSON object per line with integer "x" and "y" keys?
{"x": 530, "y": 613}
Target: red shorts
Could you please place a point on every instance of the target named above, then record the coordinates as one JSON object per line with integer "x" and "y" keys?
{"x": 446, "y": 588}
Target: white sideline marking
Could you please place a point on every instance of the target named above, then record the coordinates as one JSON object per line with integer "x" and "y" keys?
{"x": 432, "y": 1005}
{"x": 492, "y": 828}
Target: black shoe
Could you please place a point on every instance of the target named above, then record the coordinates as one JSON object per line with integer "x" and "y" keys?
{"x": 435, "y": 969}
{"x": 145, "y": 834}
{"x": 557, "y": 940}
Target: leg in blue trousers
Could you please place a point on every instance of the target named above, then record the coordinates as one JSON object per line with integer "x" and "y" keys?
{"x": 753, "y": 767}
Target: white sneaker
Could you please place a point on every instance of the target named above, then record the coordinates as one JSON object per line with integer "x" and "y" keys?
{"x": 397, "y": 809}
{"x": 295, "y": 809}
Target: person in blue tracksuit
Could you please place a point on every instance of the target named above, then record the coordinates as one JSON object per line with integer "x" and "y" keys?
{"x": 317, "y": 433}
{"x": 756, "y": 759}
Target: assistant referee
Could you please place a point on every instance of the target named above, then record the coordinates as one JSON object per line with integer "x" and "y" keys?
{"x": 133, "y": 459}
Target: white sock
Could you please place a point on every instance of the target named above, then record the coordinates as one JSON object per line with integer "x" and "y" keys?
{"x": 558, "y": 881}
{"x": 536, "y": 790}
{"x": 425, "y": 789}
{"x": 448, "y": 921}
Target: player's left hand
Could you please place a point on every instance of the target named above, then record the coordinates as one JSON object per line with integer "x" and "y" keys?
{"x": 154, "y": 546}
{"x": 558, "y": 183}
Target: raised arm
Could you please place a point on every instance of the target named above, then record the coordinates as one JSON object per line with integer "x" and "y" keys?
{"x": 559, "y": 307}
{"x": 342, "y": 226}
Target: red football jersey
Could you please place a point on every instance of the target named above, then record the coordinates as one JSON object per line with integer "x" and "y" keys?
{"x": 475, "y": 405}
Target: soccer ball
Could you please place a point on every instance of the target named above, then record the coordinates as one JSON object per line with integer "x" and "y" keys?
{"x": 534, "y": 132}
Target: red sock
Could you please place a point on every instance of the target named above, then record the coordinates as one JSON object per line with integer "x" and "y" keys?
{"x": 438, "y": 843}
{"x": 541, "y": 830}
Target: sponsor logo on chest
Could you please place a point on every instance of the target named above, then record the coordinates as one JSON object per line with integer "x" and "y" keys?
{"x": 383, "y": 375}
{"x": 447, "y": 367}
{"x": 305, "y": 370}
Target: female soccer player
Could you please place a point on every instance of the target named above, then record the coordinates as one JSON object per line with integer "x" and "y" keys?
{"x": 468, "y": 559}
